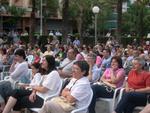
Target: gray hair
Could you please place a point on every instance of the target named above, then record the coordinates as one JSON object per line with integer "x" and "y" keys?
{"x": 140, "y": 60}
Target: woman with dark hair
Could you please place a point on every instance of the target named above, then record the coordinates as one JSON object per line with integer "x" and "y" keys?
{"x": 137, "y": 88}
{"x": 111, "y": 79}
{"x": 77, "y": 91}
{"x": 49, "y": 85}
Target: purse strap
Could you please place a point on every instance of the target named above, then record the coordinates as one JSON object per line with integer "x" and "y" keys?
{"x": 73, "y": 85}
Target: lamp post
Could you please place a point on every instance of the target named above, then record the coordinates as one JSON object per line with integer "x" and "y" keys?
{"x": 41, "y": 18}
{"x": 95, "y": 10}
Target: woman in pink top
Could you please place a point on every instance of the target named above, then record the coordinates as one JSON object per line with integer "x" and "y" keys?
{"x": 112, "y": 78}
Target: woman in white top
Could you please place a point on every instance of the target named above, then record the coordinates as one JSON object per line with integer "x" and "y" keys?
{"x": 49, "y": 85}
{"x": 77, "y": 91}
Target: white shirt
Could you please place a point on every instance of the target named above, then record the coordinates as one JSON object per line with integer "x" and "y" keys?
{"x": 36, "y": 79}
{"x": 52, "y": 81}
{"x": 67, "y": 65}
{"x": 80, "y": 90}
{"x": 21, "y": 69}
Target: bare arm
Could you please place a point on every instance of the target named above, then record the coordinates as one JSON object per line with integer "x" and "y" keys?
{"x": 67, "y": 94}
{"x": 40, "y": 89}
{"x": 143, "y": 90}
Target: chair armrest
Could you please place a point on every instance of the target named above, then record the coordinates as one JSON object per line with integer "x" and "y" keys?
{"x": 121, "y": 93}
{"x": 49, "y": 97}
{"x": 114, "y": 96}
{"x": 80, "y": 109}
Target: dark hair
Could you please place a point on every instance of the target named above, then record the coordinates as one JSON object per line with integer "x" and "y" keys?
{"x": 84, "y": 66}
{"x": 51, "y": 63}
{"x": 20, "y": 52}
{"x": 36, "y": 65}
{"x": 107, "y": 50}
{"x": 119, "y": 60}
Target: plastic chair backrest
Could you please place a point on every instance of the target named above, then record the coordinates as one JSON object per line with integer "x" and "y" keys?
{"x": 86, "y": 106}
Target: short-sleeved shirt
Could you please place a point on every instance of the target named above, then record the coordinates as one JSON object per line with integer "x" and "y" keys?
{"x": 95, "y": 73}
{"x": 80, "y": 90}
{"x": 118, "y": 72}
{"x": 36, "y": 79}
{"x": 20, "y": 71}
{"x": 138, "y": 80}
{"x": 106, "y": 62}
{"x": 52, "y": 81}
{"x": 67, "y": 65}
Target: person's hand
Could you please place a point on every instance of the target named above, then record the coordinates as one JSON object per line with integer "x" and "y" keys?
{"x": 65, "y": 92}
{"x": 32, "y": 97}
{"x": 129, "y": 90}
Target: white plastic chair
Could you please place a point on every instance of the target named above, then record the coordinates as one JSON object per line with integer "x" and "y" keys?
{"x": 79, "y": 110}
{"x": 49, "y": 97}
{"x": 138, "y": 108}
{"x": 5, "y": 68}
{"x": 111, "y": 101}
{"x": 3, "y": 75}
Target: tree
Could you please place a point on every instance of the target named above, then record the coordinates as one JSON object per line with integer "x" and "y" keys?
{"x": 79, "y": 11}
{"x": 50, "y": 8}
{"x": 119, "y": 19}
{"x": 16, "y": 12}
{"x": 136, "y": 19}
{"x": 65, "y": 16}
{"x": 32, "y": 23}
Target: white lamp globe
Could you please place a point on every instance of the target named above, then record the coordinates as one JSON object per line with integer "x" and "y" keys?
{"x": 95, "y": 9}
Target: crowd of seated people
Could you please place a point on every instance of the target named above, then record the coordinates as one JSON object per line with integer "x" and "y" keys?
{"x": 108, "y": 66}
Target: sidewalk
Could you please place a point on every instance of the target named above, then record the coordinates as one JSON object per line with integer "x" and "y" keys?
{"x": 102, "y": 107}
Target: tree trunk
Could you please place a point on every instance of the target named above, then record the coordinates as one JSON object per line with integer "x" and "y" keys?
{"x": 141, "y": 22}
{"x": 119, "y": 19}
{"x": 80, "y": 25}
{"x": 32, "y": 24}
{"x": 65, "y": 19}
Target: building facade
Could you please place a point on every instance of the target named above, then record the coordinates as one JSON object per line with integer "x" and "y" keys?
{"x": 23, "y": 22}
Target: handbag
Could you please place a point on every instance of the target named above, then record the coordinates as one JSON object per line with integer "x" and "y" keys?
{"x": 67, "y": 106}
{"x": 107, "y": 87}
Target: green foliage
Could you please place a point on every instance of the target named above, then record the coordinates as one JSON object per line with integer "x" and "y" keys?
{"x": 52, "y": 6}
{"x": 16, "y": 11}
{"x": 83, "y": 9}
{"x": 25, "y": 39}
{"x": 49, "y": 7}
{"x": 137, "y": 16}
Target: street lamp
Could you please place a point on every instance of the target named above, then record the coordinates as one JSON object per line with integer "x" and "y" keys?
{"x": 41, "y": 18}
{"x": 95, "y": 10}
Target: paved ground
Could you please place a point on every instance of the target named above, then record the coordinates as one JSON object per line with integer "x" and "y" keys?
{"x": 102, "y": 107}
